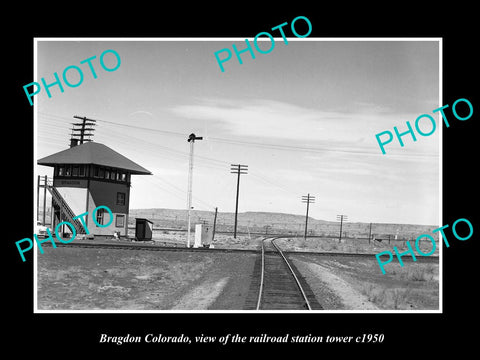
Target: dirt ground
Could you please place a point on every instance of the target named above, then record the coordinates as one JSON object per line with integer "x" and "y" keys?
{"x": 348, "y": 283}
{"x": 111, "y": 279}
{"x": 106, "y": 279}
{"x": 221, "y": 241}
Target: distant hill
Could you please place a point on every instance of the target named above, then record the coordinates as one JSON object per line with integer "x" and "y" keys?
{"x": 277, "y": 223}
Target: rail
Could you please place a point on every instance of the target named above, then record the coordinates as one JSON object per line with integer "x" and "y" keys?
{"x": 292, "y": 272}
{"x": 294, "y": 276}
{"x": 259, "y": 301}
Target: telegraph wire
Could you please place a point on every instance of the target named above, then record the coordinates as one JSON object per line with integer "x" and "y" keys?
{"x": 155, "y": 179}
{"x": 219, "y": 163}
{"x": 175, "y": 154}
{"x": 257, "y": 144}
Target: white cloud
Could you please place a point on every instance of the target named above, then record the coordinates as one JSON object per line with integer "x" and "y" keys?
{"x": 263, "y": 118}
{"x": 270, "y": 120}
{"x": 141, "y": 112}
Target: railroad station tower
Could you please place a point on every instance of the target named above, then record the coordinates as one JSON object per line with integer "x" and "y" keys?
{"x": 86, "y": 176}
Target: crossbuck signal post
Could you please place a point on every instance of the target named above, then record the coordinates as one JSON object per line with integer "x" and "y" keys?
{"x": 307, "y": 199}
{"x": 191, "y": 139}
{"x": 237, "y": 169}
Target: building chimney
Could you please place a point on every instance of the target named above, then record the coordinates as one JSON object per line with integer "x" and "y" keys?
{"x": 73, "y": 142}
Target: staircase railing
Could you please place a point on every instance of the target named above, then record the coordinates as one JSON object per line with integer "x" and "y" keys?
{"x": 65, "y": 209}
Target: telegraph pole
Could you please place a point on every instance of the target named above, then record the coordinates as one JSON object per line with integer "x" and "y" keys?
{"x": 307, "y": 199}
{"x": 82, "y": 132}
{"x": 237, "y": 169}
{"x": 370, "y": 233}
{"x": 191, "y": 139}
{"x": 214, "y": 223}
{"x": 342, "y": 218}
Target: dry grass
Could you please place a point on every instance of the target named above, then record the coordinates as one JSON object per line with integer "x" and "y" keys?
{"x": 357, "y": 246}
{"x": 396, "y": 298}
{"x": 413, "y": 286}
{"x": 426, "y": 272}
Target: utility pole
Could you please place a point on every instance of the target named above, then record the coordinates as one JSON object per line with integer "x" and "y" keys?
{"x": 214, "y": 223}
{"x": 81, "y": 132}
{"x": 307, "y": 199}
{"x": 237, "y": 169}
{"x": 191, "y": 139}
{"x": 342, "y": 218}
{"x": 370, "y": 233}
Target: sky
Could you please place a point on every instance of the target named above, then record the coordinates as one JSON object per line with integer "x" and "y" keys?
{"x": 302, "y": 117}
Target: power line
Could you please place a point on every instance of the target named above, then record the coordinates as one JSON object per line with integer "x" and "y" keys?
{"x": 219, "y": 163}
{"x": 143, "y": 142}
{"x": 177, "y": 192}
{"x": 203, "y": 160}
{"x": 125, "y": 125}
{"x": 263, "y": 145}
{"x": 270, "y": 182}
{"x": 153, "y": 182}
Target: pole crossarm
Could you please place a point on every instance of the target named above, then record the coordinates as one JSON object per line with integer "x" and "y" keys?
{"x": 308, "y": 199}
{"x": 83, "y": 129}
{"x": 238, "y": 169}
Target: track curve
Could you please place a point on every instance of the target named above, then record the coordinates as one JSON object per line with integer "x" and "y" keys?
{"x": 280, "y": 288}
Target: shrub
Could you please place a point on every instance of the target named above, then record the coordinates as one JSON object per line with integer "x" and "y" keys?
{"x": 373, "y": 293}
{"x": 424, "y": 273}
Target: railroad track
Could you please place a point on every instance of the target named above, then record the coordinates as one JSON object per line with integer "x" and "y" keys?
{"x": 151, "y": 247}
{"x": 280, "y": 288}
{"x": 133, "y": 246}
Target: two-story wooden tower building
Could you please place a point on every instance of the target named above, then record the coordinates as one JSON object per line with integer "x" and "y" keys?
{"x": 87, "y": 176}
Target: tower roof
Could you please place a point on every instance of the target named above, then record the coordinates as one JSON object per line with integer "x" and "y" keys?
{"x": 93, "y": 153}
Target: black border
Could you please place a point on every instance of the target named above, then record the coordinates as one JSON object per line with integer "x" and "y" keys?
{"x": 67, "y": 334}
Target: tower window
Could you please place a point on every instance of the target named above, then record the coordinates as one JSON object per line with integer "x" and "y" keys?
{"x": 100, "y": 213}
{"x": 120, "y": 221}
{"x": 120, "y": 198}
